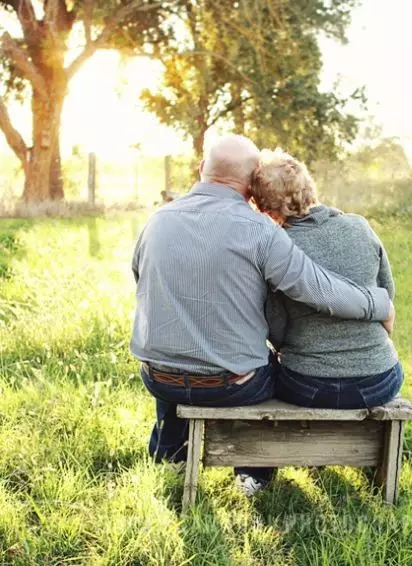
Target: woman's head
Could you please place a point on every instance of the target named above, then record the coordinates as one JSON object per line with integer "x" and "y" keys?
{"x": 282, "y": 186}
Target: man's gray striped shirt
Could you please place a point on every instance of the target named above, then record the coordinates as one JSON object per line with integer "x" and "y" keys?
{"x": 204, "y": 265}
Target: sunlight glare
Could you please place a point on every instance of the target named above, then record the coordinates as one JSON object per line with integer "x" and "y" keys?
{"x": 103, "y": 113}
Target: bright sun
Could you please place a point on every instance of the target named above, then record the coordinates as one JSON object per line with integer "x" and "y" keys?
{"x": 103, "y": 114}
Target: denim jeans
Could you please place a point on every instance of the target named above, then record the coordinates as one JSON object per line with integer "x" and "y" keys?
{"x": 170, "y": 433}
{"x": 333, "y": 393}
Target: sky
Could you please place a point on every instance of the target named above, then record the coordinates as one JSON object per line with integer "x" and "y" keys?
{"x": 377, "y": 56}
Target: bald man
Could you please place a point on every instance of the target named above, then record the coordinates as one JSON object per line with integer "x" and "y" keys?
{"x": 203, "y": 266}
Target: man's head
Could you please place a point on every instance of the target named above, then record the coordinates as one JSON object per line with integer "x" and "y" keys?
{"x": 230, "y": 160}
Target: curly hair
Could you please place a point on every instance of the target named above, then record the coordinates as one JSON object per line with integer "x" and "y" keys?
{"x": 282, "y": 186}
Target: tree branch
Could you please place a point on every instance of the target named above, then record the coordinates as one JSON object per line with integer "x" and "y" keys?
{"x": 14, "y": 139}
{"x": 232, "y": 106}
{"x": 88, "y": 19}
{"x": 123, "y": 13}
{"x": 88, "y": 51}
{"x": 51, "y": 11}
{"x": 26, "y": 14}
{"x": 19, "y": 57}
{"x": 57, "y": 16}
{"x": 116, "y": 19}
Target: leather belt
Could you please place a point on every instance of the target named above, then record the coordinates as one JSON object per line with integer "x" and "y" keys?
{"x": 202, "y": 381}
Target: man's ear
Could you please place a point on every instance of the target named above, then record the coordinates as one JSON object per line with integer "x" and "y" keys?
{"x": 201, "y": 166}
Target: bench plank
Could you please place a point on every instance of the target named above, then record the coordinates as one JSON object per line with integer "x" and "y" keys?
{"x": 400, "y": 409}
{"x": 254, "y": 444}
{"x": 271, "y": 410}
{"x": 274, "y": 410}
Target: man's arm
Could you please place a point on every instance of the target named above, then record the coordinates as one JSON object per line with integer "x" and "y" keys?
{"x": 135, "y": 260}
{"x": 288, "y": 269}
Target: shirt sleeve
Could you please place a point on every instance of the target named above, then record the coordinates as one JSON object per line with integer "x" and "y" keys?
{"x": 277, "y": 318}
{"x": 135, "y": 260}
{"x": 287, "y": 268}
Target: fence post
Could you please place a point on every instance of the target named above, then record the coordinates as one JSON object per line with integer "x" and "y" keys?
{"x": 168, "y": 171}
{"x": 137, "y": 173}
{"x": 92, "y": 179}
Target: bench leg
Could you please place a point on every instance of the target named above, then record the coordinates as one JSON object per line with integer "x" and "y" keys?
{"x": 193, "y": 460}
{"x": 389, "y": 470}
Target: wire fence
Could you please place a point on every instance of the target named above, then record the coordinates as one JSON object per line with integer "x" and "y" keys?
{"x": 138, "y": 180}
{"x": 135, "y": 179}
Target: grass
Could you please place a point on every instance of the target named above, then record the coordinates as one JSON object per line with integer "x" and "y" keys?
{"x": 76, "y": 486}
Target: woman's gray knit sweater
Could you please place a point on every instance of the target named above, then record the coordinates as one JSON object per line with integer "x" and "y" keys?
{"x": 318, "y": 345}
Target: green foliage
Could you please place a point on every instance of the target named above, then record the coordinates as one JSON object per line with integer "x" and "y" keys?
{"x": 256, "y": 64}
{"x": 76, "y": 486}
{"x": 376, "y": 178}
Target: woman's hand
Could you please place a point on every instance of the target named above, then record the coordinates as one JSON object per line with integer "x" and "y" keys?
{"x": 390, "y": 321}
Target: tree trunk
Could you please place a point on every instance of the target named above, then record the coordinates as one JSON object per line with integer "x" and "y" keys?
{"x": 56, "y": 175}
{"x": 198, "y": 149}
{"x": 198, "y": 143}
{"x": 47, "y": 49}
{"x": 238, "y": 113}
{"x": 43, "y": 174}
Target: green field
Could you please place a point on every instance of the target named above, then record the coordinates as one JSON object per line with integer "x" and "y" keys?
{"x": 76, "y": 486}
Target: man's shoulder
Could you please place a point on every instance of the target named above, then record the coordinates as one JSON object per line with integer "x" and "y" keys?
{"x": 254, "y": 216}
{"x": 233, "y": 210}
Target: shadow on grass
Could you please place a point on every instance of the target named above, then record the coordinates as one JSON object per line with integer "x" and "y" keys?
{"x": 94, "y": 241}
{"x": 10, "y": 246}
{"x": 340, "y": 489}
{"x": 96, "y": 227}
{"x": 224, "y": 527}
{"x": 204, "y": 536}
{"x": 340, "y": 508}
{"x": 283, "y": 498}
{"x": 117, "y": 462}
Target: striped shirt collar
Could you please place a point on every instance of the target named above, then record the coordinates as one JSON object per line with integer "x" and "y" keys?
{"x": 216, "y": 190}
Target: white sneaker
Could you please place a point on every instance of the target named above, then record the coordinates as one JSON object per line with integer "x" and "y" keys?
{"x": 249, "y": 485}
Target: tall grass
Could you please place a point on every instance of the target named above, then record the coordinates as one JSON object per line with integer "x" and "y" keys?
{"x": 76, "y": 485}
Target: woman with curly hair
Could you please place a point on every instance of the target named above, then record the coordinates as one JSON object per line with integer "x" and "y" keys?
{"x": 325, "y": 361}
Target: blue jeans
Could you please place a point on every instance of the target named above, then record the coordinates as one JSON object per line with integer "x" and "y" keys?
{"x": 170, "y": 433}
{"x": 334, "y": 393}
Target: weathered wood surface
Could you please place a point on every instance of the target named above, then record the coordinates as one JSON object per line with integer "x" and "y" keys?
{"x": 192, "y": 464}
{"x": 389, "y": 469}
{"x": 274, "y": 410}
{"x": 399, "y": 409}
{"x": 248, "y": 443}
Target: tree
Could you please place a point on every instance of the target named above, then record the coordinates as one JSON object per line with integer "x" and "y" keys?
{"x": 256, "y": 64}
{"x": 37, "y": 59}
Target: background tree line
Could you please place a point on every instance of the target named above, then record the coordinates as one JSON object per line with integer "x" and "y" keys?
{"x": 253, "y": 65}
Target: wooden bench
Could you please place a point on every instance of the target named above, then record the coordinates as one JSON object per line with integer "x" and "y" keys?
{"x": 277, "y": 434}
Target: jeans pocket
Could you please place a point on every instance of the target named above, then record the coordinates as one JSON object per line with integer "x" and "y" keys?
{"x": 383, "y": 388}
{"x": 305, "y": 385}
